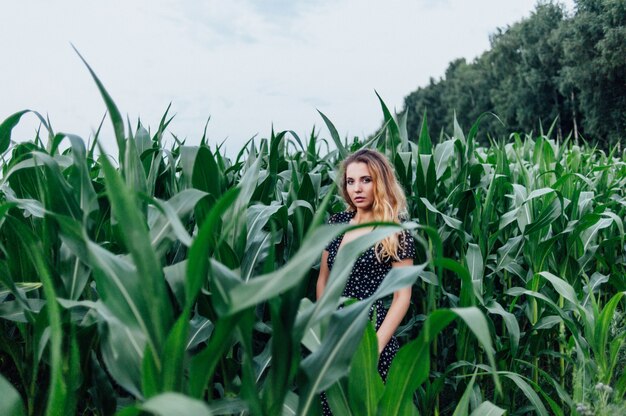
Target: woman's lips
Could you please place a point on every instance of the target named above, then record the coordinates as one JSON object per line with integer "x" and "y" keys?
{"x": 359, "y": 199}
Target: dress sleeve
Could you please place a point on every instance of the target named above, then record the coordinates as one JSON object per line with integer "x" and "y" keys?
{"x": 406, "y": 250}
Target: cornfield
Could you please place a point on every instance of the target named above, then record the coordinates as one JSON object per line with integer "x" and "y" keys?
{"x": 175, "y": 280}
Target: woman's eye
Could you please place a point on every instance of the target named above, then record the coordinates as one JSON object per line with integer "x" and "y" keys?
{"x": 367, "y": 180}
{"x": 350, "y": 182}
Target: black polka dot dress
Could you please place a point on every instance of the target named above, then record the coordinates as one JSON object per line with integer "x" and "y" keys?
{"x": 367, "y": 274}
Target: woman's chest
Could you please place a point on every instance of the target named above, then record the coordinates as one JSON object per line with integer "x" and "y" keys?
{"x": 366, "y": 265}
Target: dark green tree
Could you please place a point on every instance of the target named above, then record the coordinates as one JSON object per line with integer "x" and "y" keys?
{"x": 547, "y": 67}
{"x": 465, "y": 92}
{"x": 594, "y": 67}
{"x": 427, "y": 99}
{"x": 525, "y": 62}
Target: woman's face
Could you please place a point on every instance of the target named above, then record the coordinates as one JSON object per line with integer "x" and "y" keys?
{"x": 360, "y": 185}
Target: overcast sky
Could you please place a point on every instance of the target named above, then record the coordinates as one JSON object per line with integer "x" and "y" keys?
{"x": 246, "y": 64}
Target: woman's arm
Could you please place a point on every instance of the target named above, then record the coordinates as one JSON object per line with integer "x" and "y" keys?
{"x": 323, "y": 276}
{"x": 395, "y": 314}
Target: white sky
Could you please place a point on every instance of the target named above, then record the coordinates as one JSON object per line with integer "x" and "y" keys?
{"x": 247, "y": 64}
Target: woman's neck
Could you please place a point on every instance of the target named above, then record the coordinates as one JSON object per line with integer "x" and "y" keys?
{"x": 363, "y": 216}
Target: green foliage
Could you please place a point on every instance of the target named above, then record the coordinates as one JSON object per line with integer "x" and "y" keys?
{"x": 548, "y": 69}
{"x": 181, "y": 279}
{"x": 596, "y": 38}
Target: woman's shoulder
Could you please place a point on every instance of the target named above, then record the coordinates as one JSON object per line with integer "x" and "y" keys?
{"x": 341, "y": 217}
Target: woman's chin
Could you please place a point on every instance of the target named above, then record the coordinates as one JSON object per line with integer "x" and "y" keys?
{"x": 363, "y": 205}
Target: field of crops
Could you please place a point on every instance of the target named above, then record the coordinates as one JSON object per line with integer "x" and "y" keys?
{"x": 174, "y": 280}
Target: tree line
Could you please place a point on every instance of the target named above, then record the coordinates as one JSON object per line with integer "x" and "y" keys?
{"x": 552, "y": 67}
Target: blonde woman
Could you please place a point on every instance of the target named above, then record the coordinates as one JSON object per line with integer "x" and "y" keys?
{"x": 372, "y": 193}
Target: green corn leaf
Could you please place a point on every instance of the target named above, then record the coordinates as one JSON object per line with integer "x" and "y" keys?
{"x": 156, "y": 311}
{"x": 258, "y": 216}
{"x": 82, "y": 183}
{"x": 425, "y": 144}
{"x": 206, "y": 174}
{"x": 59, "y": 398}
{"x": 132, "y": 170}
{"x": 602, "y": 329}
{"x": 338, "y": 399}
{"x": 458, "y": 134}
{"x": 562, "y": 287}
{"x": 546, "y": 217}
{"x": 528, "y": 391}
{"x": 264, "y": 287}
{"x": 116, "y": 117}
{"x": 547, "y": 322}
{"x": 463, "y": 406}
{"x": 169, "y": 404}
{"x": 620, "y": 385}
{"x": 444, "y": 152}
{"x": 402, "y": 129}
{"x": 151, "y": 379}
{"x": 365, "y": 387}
{"x": 312, "y": 338}
{"x": 475, "y": 265}
{"x": 411, "y": 366}
{"x": 488, "y": 409}
{"x": 451, "y": 222}
{"x": 392, "y": 129}
{"x": 280, "y": 346}
{"x": 56, "y": 195}
{"x": 205, "y": 242}
{"x": 511, "y": 323}
{"x": 589, "y": 235}
{"x": 202, "y": 365}
{"x": 11, "y": 404}
{"x": 156, "y": 164}
{"x": 126, "y": 313}
{"x": 291, "y": 404}
{"x": 165, "y": 222}
{"x": 567, "y": 320}
{"x": 343, "y": 152}
{"x": 122, "y": 352}
{"x": 468, "y": 295}
{"x": 187, "y": 160}
{"x": 563, "y": 395}
{"x": 122, "y": 346}
{"x": 6, "y": 127}
{"x": 200, "y": 330}
{"x": 244, "y": 333}
{"x": 174, "y": 355}
{"x": 508, "y": 252}
{"x": 476, "y": 321}
{"x": 21, "y": 312}
{"x": 262, "y": 362}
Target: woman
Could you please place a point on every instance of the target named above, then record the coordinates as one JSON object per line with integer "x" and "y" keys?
{"x": 372, "y": 193}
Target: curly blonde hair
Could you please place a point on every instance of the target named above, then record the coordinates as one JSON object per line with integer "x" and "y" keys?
{"x": 389, "y": 199}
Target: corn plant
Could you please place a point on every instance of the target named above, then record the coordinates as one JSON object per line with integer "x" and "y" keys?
{"x": 171, "y": 279}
